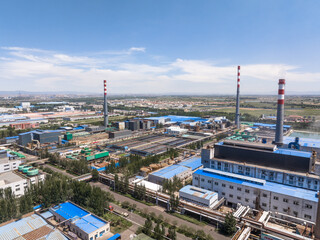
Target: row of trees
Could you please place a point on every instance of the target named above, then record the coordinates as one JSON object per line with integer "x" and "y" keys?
{"x": 54, "y": 190}
{"x": 78, "y": 167}
{"x": 170, "y": 186}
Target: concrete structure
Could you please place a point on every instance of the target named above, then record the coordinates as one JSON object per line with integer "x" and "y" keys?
{"x": 176, "y": 130}
{"x": 8, "y": 162}
{"x": 105, "y": 105}
{"x": 120, "y": 134}
{"x": 149, "y": 185}
{"x": 198, "y": 196}
{"x": 43, "y": 136}
{"x": 237, "y": 118}
{"x": 32, "y": 227}
{"x": 259, "y": 194}
{"x": 13, "y": 181}
{"x": 81, "y": 222}
{"x": 168, "y": 173}
{"x": 280, "y": 114}
{"x": 258, "y": 168}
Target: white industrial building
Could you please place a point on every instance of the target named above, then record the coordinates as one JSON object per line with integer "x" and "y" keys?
{"x": 198, "y": 196}
{"x": 258, "y": 193}
{"x": 168, "y": 173}
{"x": 176, "y": 130}
{"x": 8, "y": 163}
{"x": 13, "y": 181}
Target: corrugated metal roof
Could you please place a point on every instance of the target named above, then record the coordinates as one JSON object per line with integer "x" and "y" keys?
{"x": 192, "y": 163}
{"x": 170, "y": 171}
{"x": 199, "y": 192}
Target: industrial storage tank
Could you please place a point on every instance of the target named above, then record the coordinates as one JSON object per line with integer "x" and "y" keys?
{"x": 32, "y": 171}
{"x": 26, "y": 168}
{"x": 21, "y": 167}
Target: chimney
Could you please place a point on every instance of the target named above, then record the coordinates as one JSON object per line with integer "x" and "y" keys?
{"x": 280, "y": 113}
{"x": 105, "y": 109}
{"x": 237, "y": 120}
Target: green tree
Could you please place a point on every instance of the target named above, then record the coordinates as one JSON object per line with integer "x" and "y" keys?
{"x": 172, "y": 233}
{"x": 229, "y": 226}
{"x": 147, "y": 227}
{"x": 95, "y": 175}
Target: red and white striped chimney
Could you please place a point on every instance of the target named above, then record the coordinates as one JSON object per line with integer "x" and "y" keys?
{"x": 237, "y": 118}
{"x": 280, "y": 113}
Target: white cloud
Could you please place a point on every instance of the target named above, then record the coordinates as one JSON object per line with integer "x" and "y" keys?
{"x": 41, "y": 70}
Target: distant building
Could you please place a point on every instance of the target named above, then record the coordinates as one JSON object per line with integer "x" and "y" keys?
{"x": 81, "y": 222}
{"x": 43, "y": 136}
{"x": 176, "y": 130}
{"x": 25, "y": 105}
{"x": 24, "y": 125}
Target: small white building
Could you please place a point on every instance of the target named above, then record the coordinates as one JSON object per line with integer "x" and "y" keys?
{"x": 8, "y": 163}
{"x": 198, "y": 196}
{"x": 176, "y": 130}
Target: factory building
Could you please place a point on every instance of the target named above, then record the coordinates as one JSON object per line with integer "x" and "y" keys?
{"x": 42, "y": 136}
{"x": 259, "y": 194}
{"x": 283, "y": 166}
{"x": 8, "y": 162}
{"x": 181, "y": 172}
{"x": 198, "y": 196}
{"x": 13, "y": 181}
{"x": 176, "y": 130}
{"x": 120, "y": 134}
{"x": 81, "y": 222}
{"x": 32, "y": 227}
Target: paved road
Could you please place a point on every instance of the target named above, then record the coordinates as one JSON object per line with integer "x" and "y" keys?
{"x": 59, "y": 171}
{"x": 137, "y": 221}
{"x": 207, "y": 229}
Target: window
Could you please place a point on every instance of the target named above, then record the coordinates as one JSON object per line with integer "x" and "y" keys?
{"x": 296, "y": 203}
{"x": 264, "y": 204}
{"x": 264, "y": 195}
{"x": 275, "y": 198}
{"x": 196, "y": 178}
{"x": 219, "y": 166}
{"x": 285, "y": 200}
{"x": 247, "y": 191}
{"x": 239, "y": 167}
{"x": 230, "y": 195}
{"x": 216, "y": 183}
{"x": 275, "y": 207}
{"x": 231, "y": 187}
{"x": 307, "y": 216}
{"x": 300, "y": 179}
{"x": 239, "y": 189}
{"x": 247, "y": 200}
{"x": 209, "y": 181}
{"x": 315, "y": 182}
{"x": 17, "y": 189}
{"x": 308, "y": 206}
{"x": 285, "y": 210}
{"x": 223, "y": 194}
{"x": 295, "y": 213}
{"x": 223, "y": 185}
{"x": 202, "y": 180}
{"x": 239, "y": 198}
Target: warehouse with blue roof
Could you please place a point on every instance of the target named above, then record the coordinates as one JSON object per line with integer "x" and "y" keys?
{"x": 257, "y": 193}
{"x": 168, "y": 173}
{"x": 81, "y": 222}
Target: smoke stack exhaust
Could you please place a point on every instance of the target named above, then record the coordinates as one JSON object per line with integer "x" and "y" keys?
{"x": 280, "y": 113}
{"x": 105, "y": 107}
{"x": 237, "y": 120}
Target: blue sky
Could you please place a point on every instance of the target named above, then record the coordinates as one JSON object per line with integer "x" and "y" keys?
{"x": 162, "y": 46}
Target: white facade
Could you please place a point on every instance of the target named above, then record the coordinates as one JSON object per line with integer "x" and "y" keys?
{"x": 9, "y": 165}
{"x": 176, "y": 130}
{"x": 13, "y": 181}
{"x": 307, "y": 181}
{"x": 198, "y": 196}
{"x": 259, "y": 194}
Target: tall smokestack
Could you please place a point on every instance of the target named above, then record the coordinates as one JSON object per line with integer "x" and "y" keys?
{"x": 237, "y": 120}
{"x": 106, "y": 119}
{"x": 280, "y": 113}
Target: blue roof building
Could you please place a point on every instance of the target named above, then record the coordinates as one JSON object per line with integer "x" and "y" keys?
{"x": 193, "y": 163}
{"x": 86, "y": 225}
{"x": 249, "y": 191}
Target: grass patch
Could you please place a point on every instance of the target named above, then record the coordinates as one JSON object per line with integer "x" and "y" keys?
{"x": 189, "y": 219}
{"x": 118, "y": 224}
{"x": 141, "y": 201}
